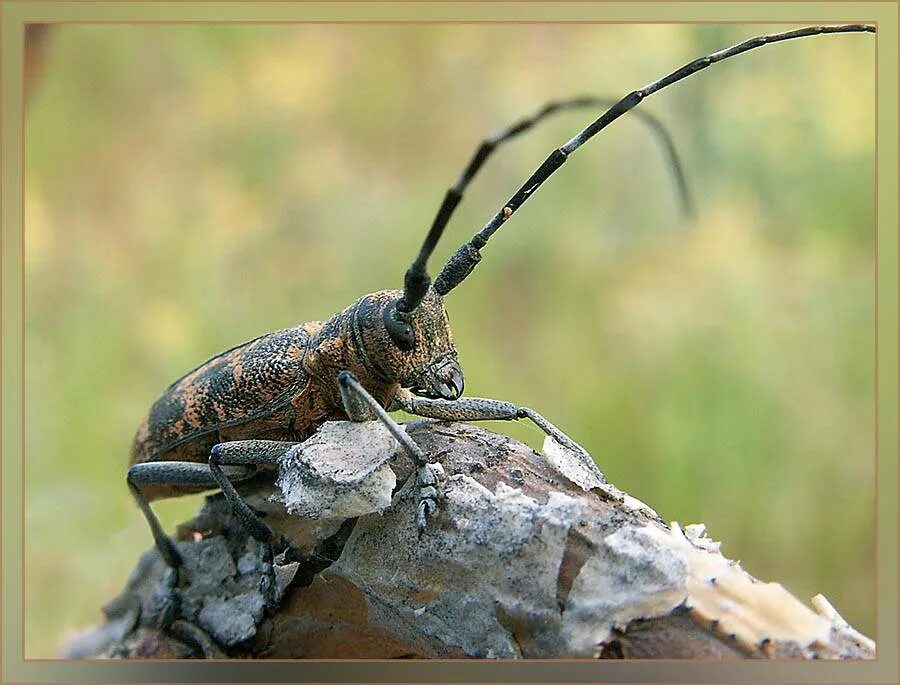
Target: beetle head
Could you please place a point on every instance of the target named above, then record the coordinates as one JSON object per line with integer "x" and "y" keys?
{"x": 425, "y": 359}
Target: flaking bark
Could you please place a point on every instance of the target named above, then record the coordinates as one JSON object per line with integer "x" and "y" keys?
{"x": 529, "y": 556}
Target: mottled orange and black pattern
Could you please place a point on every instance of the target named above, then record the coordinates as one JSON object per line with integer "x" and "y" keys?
{"x": 248, "y": 383}
{"x": 283, "y": 385}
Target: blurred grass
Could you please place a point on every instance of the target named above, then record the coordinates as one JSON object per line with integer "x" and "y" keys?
{"x": 188, "y": 187}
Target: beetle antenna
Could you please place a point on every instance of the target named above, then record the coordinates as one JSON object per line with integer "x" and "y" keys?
{"x": 464, "y": 260}
{"x": 417, "y": 280}
{"x": 489, "y": 146}
{"x": 415, "y": 286}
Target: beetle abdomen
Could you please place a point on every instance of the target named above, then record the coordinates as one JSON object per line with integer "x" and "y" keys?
{"x": 251, "y": 383}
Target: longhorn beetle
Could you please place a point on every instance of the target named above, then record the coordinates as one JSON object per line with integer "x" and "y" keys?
{"x": 392, "y": 349}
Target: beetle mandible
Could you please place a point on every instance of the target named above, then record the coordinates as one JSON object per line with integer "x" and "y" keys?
{"x": 392, "y": 349}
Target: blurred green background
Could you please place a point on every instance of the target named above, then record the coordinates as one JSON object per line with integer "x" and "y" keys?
{"x": 189, "y": 187}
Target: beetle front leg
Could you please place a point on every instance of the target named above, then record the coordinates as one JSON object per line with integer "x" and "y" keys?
{"x": 361, "y": 406}
{"x": 481, "y": 409}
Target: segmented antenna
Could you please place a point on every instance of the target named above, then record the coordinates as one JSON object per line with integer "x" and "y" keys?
{"x": 464, "y": 260}
{"x": 416, "y": 281}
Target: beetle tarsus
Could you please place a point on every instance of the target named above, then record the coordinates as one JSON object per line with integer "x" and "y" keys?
{"x": 196, "y": 637}
{"x": 165, "y": 604}
{"x": 268, "y": 587}
{"x": 426, "y": 508}
{"x": 427, "y": 476}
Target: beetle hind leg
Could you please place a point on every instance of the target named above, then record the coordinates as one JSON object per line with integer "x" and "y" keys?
{"x": 229, "y": 462}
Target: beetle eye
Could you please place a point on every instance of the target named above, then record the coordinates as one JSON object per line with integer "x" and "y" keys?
{"x": 398, "y": 328}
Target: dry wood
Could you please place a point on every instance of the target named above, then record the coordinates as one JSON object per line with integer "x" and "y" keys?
{"x": 529, "y": 556}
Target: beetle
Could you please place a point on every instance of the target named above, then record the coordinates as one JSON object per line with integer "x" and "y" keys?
{"x": 393, "y": 349}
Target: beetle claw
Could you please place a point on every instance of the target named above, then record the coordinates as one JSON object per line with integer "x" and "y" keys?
{"x": 422, "y": 515}
{"x": 428, "y": 477}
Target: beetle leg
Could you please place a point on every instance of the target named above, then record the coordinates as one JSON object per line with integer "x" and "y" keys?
{"x": 174, "y": 473}
{"x": 480, "y": 409}
{"x": 245, "y": 453}
{"x": 228, "y": 462}
{"x": 200, "y": 639}
{"x": 165, "y": 603}
{"x": 350, "y": 386}
{"x": 250, "y": 453}
{"x": 355, "y": 397}
{"x": 358, "y": 404}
